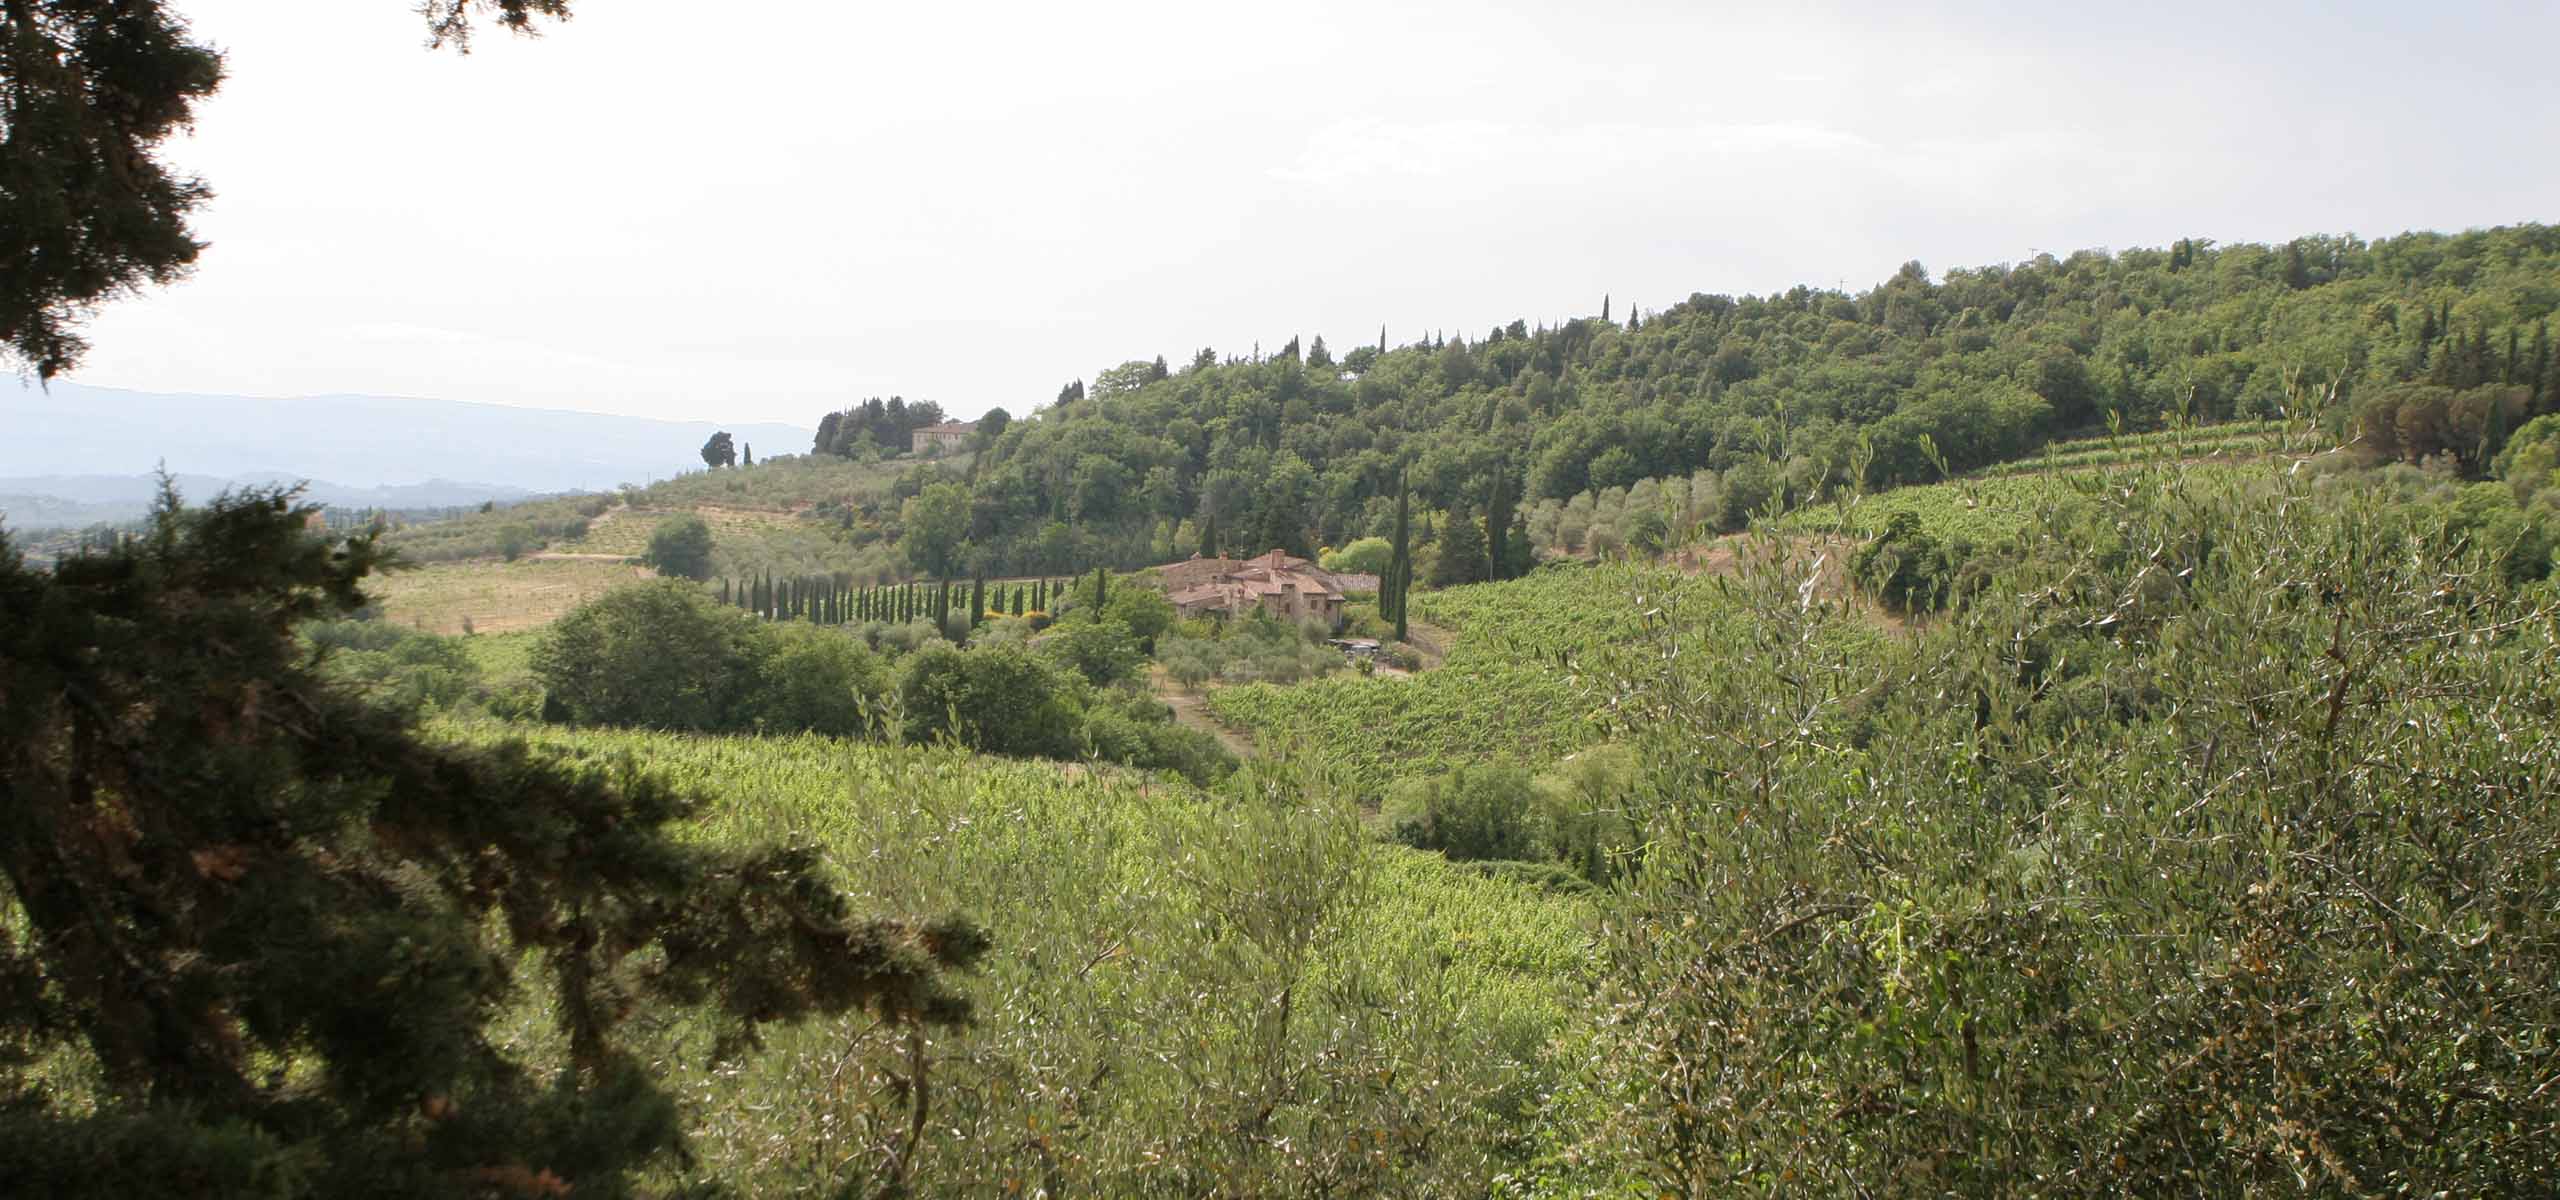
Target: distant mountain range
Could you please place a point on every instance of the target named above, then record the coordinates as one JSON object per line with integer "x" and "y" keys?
{"x": 73, "y": 451}
{"x": 78, "y": 501}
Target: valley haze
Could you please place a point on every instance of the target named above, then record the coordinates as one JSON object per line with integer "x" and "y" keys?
{"x": 467, "y": 452}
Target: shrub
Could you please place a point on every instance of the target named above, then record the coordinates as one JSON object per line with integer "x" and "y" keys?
{"x": 1142, "y": 733}
{"x": 1366, "y": 556}
{"x": 1143, "y": 611}
{"x": 1101, "y": 651}
{"x": 820, "y": 680}
{"x": 659, "y": 655}
{"x": 1189, "y": 668}
{"x": 1481, "y": 812}
{"x": 1905, "y": 567}
{"x": 411, "y": 671}
{"x": 1000, "y": 700}
{"x": 681, "y": 548}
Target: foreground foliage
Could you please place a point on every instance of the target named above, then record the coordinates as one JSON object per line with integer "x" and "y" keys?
{"x": 2208, "y": 851}
{"x": 1231, "y": 994}
{"x": 254, "y": 932}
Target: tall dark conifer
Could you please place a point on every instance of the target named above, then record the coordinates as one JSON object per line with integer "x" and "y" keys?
{"x": 219, "y": 861}
{"x": 1399, "y": 580}
{"x": 2545, "y": 377}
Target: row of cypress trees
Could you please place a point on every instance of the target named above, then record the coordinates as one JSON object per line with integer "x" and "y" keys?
{"x": 833, "y": 600}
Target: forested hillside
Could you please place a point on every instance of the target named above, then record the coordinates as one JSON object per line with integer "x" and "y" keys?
{"x": 1917, "y": 377}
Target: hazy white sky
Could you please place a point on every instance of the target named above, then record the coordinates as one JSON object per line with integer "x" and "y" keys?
{"x": 737, "y": 210}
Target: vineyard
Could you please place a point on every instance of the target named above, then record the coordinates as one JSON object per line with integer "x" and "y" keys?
{"x": 1511, "y": 691}
{"x": 1172, "y": 970}
{"x": 2231, "y": 440}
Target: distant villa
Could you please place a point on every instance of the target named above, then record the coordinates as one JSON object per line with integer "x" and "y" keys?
{"x": 1276, "y": 583}
{"x": 946, "y": 437}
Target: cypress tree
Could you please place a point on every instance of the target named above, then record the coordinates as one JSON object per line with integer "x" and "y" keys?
{"x": 1101, "y": 591}
{"x": 1400, "y": 567}
{"x": 1604, "y": 306}
{"x": 2493, "y": 432}
{"x": 1017, "y": 600}
{"x": 724, "y": 591}
{"x": 2543, "y": 374}
{"x": 977, "y": 601}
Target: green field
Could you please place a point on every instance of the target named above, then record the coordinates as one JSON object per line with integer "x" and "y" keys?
{"x": 626, "y": 531}
{"x": 495, "y": 597}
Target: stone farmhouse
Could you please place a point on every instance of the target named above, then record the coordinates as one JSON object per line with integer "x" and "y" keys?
{"x": 1291, "y": 589}
{"x": 946, "y": 437}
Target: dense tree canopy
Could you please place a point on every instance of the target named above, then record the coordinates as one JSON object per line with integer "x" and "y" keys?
{"x": 1777, "y": 394}
{"x": 720, "y": 451}
{"x": 875, "y": 427}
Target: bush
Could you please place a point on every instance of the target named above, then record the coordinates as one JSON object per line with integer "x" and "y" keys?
{"x": 1483, "y": 812}
{"x": 1142, "y": 610}
{"x": 1582, "y": 813}
{"x": 659, "y": 655}
{"x": 1366, "y": 556}
{"x": 1140, "y": 732}
{"x": 1101, "y": 651}
{"x": 1189, "y": 668}
{"x": 1000, "y": 700}
{"x": 681, "y": 548}
{"x": 820, "y": 680}
{"x": 1905, "y": 568}
{"x": 408, "y": 670}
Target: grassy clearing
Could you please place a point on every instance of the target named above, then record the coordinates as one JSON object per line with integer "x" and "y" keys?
{"x": 783, "y": 485}
{"x": 499, "y": 655}
{"x": 496, "y": 597}
{"x": 626, "y": 531}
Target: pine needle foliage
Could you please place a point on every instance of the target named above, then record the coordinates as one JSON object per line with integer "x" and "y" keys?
{"x": 275, "y": 925}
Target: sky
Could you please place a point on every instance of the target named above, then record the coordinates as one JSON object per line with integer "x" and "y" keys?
{"x": 704, "y": 209}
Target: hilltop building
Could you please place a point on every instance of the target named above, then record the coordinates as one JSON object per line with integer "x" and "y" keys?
{"x": 946, "y": 437}
{"x": 1275, "y": 584}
